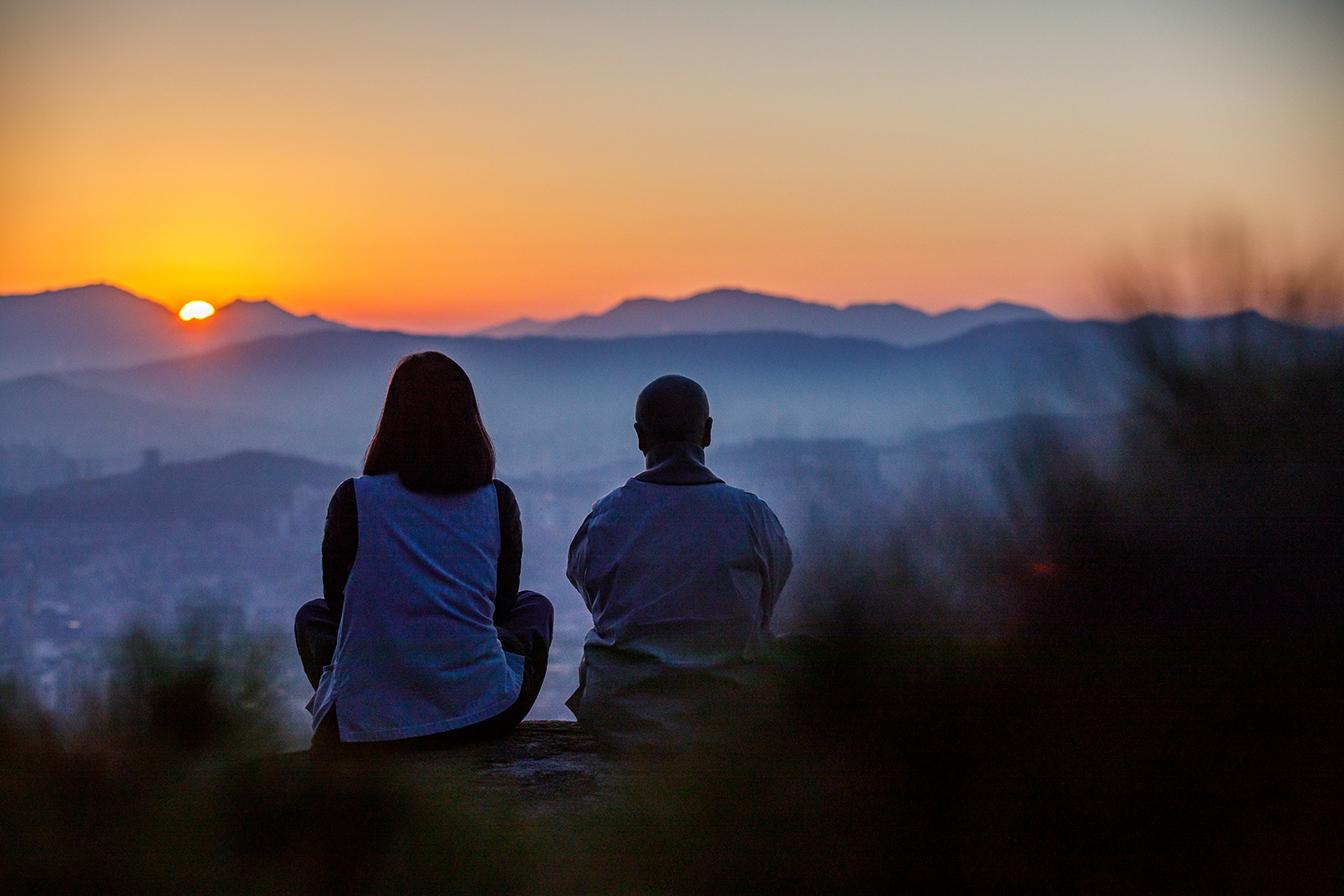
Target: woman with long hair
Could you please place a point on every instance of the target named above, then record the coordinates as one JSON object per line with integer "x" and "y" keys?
{"x": 422, "y": 636}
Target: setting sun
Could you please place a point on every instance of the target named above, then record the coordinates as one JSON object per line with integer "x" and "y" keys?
{"x": 196, "y": 310}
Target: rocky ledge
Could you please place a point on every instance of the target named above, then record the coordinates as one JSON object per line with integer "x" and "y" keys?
{"x": 544, "y": 766}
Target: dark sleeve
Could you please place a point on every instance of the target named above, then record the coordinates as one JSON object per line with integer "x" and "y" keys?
{"x": 510, "y": 552}
{"x": 577, "y": 568}
{"x": 339, "y": 541}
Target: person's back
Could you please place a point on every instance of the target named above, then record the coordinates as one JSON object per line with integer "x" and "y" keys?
{"x": 422, "y": 637}
{"x": 418, "y": 651}
{"x": 681, "y": 573}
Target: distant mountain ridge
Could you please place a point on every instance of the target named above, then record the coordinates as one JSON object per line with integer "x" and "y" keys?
{"x": 732, "y": 310}
{"x": 555, "y": 404}
{"x": 102, "y": 325}
{"x": 240, "y": 486}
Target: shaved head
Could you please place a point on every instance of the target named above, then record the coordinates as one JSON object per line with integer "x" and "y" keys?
{"x": 672, "y": 409}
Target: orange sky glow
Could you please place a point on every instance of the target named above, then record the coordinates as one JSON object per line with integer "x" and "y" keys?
{"x": 445, "y": 166}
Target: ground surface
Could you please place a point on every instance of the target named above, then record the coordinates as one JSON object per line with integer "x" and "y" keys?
{"x": 546, "y": 762}
{"x": 542, "y": 767}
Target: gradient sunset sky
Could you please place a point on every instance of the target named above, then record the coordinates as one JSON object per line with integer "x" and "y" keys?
{"x": 440, "y": 166}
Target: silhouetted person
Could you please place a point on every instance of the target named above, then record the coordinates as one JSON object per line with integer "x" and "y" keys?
{"x": 422, "y": 635}
{"x": 681, "y": 573}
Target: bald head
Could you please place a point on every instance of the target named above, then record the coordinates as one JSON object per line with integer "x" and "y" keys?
{"x": 672, "y": 409}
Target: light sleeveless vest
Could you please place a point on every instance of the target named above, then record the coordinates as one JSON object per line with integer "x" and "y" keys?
{"x": 417, "y": 651}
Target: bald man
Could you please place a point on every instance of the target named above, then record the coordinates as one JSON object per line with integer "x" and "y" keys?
{"x": 681, "y": 573}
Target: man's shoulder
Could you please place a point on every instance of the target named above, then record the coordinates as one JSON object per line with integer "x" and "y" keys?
{"x": 639, "y": 491}
{"x": 612, "y": 497}
{"x": 732, "y": 492}
{"x": 749, "y": 501}
{"x": 752, "y": 506}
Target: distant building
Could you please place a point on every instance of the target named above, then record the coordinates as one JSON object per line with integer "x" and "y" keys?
{"x": 150, "y": 459}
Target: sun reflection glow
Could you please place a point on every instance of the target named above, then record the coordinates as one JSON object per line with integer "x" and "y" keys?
{"x": 196, "y": 310}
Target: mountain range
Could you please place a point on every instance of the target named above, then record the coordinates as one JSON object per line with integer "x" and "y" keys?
{"x": 240, "y": 486}
{"x": 104, "y": 326}
{"x": 564, "y": 404}
{"x": 557, "y": 403}
{"x": 729, "y": 310}
{"x": 100, "y": 325}
{"x": 552, "y": 404}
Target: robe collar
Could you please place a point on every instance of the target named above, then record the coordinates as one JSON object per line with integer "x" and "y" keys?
{"x": 677, "y": 463}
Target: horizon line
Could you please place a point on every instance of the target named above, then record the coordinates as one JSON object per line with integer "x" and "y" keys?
{"x": 838, "y": 305}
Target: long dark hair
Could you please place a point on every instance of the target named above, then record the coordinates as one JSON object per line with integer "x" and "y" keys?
{"x": 430, "y": 433}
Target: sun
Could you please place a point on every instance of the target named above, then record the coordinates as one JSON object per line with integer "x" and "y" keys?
{"x": 196, "y": 310}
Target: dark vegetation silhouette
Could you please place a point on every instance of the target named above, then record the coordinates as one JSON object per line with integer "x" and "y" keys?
{"x": 1117, "y": 672}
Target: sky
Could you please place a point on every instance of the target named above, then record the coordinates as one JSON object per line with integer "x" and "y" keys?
{"x": 442, "y": 166}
